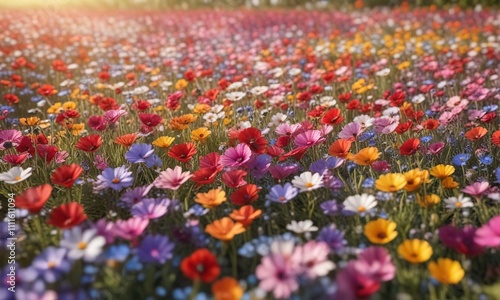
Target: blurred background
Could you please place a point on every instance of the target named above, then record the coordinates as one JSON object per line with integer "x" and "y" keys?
{"x": 228, "y": 4}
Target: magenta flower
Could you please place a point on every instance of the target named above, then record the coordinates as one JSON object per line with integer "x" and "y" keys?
{"x": 476, "y": 189}
{"x": 112, "y": 116}
{"x": 353, "y": 284}
{"x": 150, "y": 208}
{"x": 460, "y": 239}
{"x": 10, "y": 138}
{"x": 172, "y": 179}
{"x": 489, "y": 234}
{"x": 283, "y": 171}
{"x": 97, "y": 123}
{"x": 287, "y": 129}
{"x": 237, "y": 156}
{"x": 436, "y": 148}
{"x": 309, "y": 138}
{"x": 351, "y": 131}
{"x": 278, "y": 275}
{"x": 376, "y": 262}
{"x": 105, "y": 229}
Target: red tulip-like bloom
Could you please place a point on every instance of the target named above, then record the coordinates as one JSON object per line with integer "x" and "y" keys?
{"x": 34, "y": 198}
{"x": 182, "y": 152}
{"x": 201, "y": 265}
{"x": 67, "y": 215}
{"x": 254, "y": 139}
{"x": 409, "y": 147}
{"x": 332, "y": 117}
{"x": 66, "y": 175}
{"x": 245, "y": 195}
{"x": 150, "y": 120}
{"x": 15, "y": 159}
{"x": 89, "y": 143}
{"x": 205, "y": 175}
{"x": 47, "y": 152}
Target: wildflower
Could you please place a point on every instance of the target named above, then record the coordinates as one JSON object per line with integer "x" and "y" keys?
{"x": 301, "y": 226}
{"x": 415, "y": 251}
{"x": 458, "y": 202}
{"x": 224, "y": 229}
{"x": 415, "y": 178}
{"x": 10, "y": 138}
{"x": 117, "y": 179}
{"x": 488, "y": 235}
{"x": 89, "y": 143}
{"x": 245, "y": 215}
{"x": 227, "y": 288}
{"x": 163, "y": 141}
{"x": 82, "y": 244}
{"x": 380, "y": 231}
{"x": 360, "y": 203}
{"x": 366, "y": 156}
{"x": 460, "y": 239}
{"x": 428, "y": 200}
{"x": 391, "y": 182}
{"x": 442, "y": 171}
{"x": 461, "y": 159}
{"x": 172, "y": 179}
{"x": 350, "y": 131}
{"x": 15, "y": 175}
{"x": 308, "y": 181}
{"x": 449, "y": 183}
{"x": 139, "y": 153}
{"x": 495, "y": 138}
{"x": 340, "y": 148}
{"x": 150, "y": 120}
{"x": 205, "y": 175}
{"x": 245, "y": 195}
{"x": 446, "y": 271}
{"x": 410, "y": 147}
{"x": 51, "y": 264}
{"x": 234, "y": 178}
{"x": 254, "y": 139}
{"x": 201, "y": 265}
{"x": 333, "y": 237}
{"x": 131, "y": 228}
{"x": 332, "y": 117}
{"x": 34, "y": 198}
{"x": 15, "y": 159}
{"x": 282, "y": 194}
{"x": 476, "y": 133}
{"x": 66, "y": 175}
{"x": 67, "y": 215}
{"x": 376, "y": 263}
{"x": 237, "y": 156}
{"x": 355, "y": 284}
{"x": 126, "y": 140}
{"x": 47, "y": 152}
{"x": 212, "y": 198}
{"x": 278, "y": 275}
{"x": 155, "y": 249}
{"x": 476, "y": 189}
{"x": 150, "y": 208}
{"x": 182, "y": 152}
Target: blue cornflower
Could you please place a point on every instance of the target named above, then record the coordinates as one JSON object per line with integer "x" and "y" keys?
{"x": 460, "y": 159}
{"x": 333, "y": 237}
{"x": 52, "y": 263}
{"x": 138, "y": 153}
{"x": 153, "y": 161}
{"x": 368, "y": 183}
{"x": 282, "y": 194}
{"x": 489, "y": 108}
{"x": 155, "y": 249}
{"x": 118, "y": 253}
{"x": 486, "y": 160}
{"x": 426, "y": 139}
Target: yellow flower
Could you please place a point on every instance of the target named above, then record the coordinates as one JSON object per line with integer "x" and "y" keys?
{"x": 211, "y": 198}
{"x": 181, "y": 84}
{"x": 366, "y": 156}
{"x": 414, "y": 178}
{"x": 403, "y": 65}
{"x": 76, "y": 129}
{"x": 446, "y": 271}
{"x": 415, "y": 251}
{"x": 69, "y": 105}
{"x": 163, "y": 141}
{"x": 224, "y": 229}
{"x": 391, "y": 182}
{"x": 55, "y": 108}
{"x": 449, "y": 183}
{"x": 428, "y": 200}
{"x": 201, "y": 108}
{"x": 158, "y": 108}
{"x": 31, "y": 121}
{"x": 441, "y": 171}
{"x": 380, "y": 231}
{"x": 200, "y": 134}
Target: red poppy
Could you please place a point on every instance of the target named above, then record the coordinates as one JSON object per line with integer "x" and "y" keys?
{"x": 46, "y": 90}
{"x": 340, "y": 148}
{"x": 296, "y": 153}
{"x": 141, "y": 105}
{"x": 189, "y": 75}
{"x": 71, "y": 113}
{"x": 150, "y": 120}
{"x": 353, "y": 104}
{"x": 476, "y": 133}
{"x": 204, "y": 175}
{"x": 59, "y": 65}
{"x": 108, "y": 103}
{"x": 42, "y": 139}
{"x": 495, "y": 138}
{"x": 283, "y": 141}
{"x": 410, "y": 147}
{"x": 66, "y": 175}
{"x": 332, "y": 117}
{"x": 234, "y": 178}
{"x": 274, "y": 151}
{"x": 15, "y": 159}
{"x": 34, "y": 198}
{"x": 254, "y": 139}
{"x": 67, "y": 215}
{"x": 104, "y": 75}
{"x": 201, "y": 265}
{"x": 182, "y": 152}
{"x": 211, "y": 160}
{"x": 397, "y": 98}
{"x": 26, "y": 145}
{"x": 89, "y": 143}
{"x": 488, "y": 117}
{"x": 11, "y": 99}
{"x": 47, "y": 152}
{"x": 344, "y": 98}
{"x": 316, "y": 112}
{"x": 403, "y": 127}
{"x": 430, "y": 124}
{"x": 245, "y": 194}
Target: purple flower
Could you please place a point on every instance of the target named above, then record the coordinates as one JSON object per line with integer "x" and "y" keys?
{"x": 155, "y": 249}
{"x": 139, "y": 153}
{"x": 135, "y": 195}
{"x": 282, "y": 194}
{"x": 385, "y": 125}
{"x": 51, "y": 263}
{"x": 283, "y": 171}
{"x": 489, "y": 234}
{"x": 117, "y": 179}
{"x": 318, "y": 166}
{"x": 105, "y": 229}
{"x": 150, "y": 208}
{"x": 460, "y": 239}
{"x": 333, "y": 237}
{"x": 237, "y": 156}
{"x": 259, "y": 165}
{"x": 331, "y": 208}
{"x": 100, "y": 162}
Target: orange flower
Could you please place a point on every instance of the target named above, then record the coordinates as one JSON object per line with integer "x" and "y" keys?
{"x": 340, "y": 148}
{"x": 227, "y": 288}
{"x": 182, "y": 122}
{"x": 126, "y": 140}
{"x": 211, "y": 198}
{"x": 495, "y": 138}
{"x": 245, "y": 215}
{"x": 366, "y": 156}
{"x": 476, "y": 133}
{"x": 430, "y": 124}
{"x": 224, "y": 229}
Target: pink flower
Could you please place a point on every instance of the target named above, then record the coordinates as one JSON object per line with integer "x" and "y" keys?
{"x": 283, "y": 171}
{"x": 313, "y": 259}
{"x": 476, "y": 189}
{"x": 287, "y": 129}
{"x": 237, "y": 156}
{"x": 130, "y": 229}
{"x": 385, "y": 125}
{"x": 376, "y": 262}
{"x": 489, "y": 234}
{"x": 446, "y": 117}
{"x": 172, "y": 179}
{"x": 10, "y": 138}
{"x": 309, "y": 138}
{"x": 113, "y": 115}
{"x": 351, "y": 131}
{"x": 435, "y": 148}
{"x": 234, "y": 178}
{"x": 353, "y": 284}
{"x": 278, "y": 275}
{"x": 381, "y": 166}
{"x": 105, "y": 229}
{"x": 61, "y": 156}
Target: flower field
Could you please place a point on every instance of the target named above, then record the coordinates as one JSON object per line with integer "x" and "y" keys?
{"x": 246, "y": 154}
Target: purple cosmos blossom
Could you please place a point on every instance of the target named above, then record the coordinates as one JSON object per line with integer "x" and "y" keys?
{"x": 488, "y": 235}
{"x": 237, "y": 156}
{"x": 52, "y": 263}
{"x": 117, "y": 179}
{"x": 277, "y": 274}
{"x": 309, "y": 138}
{"x": 259, "y": 165}
{"x": 331, "y": 207}
{"x": 150, "y": 208}
{"x": 282, "y": 194}
{"x": 155, "y": 249}
{"x": 135, "y": 195}
{"x": 313, "y": 259}
{"x": 333, "y": 237}
{"x": 106, "y": 230}
{"x": 329, "y": 180}
{"x": 139, "y": 153}
{"x": 460, "y": 239}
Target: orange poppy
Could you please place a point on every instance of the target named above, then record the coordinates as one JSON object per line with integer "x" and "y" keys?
{"x": 430, "y": 124}
{"x": 340, "y": 148}
{"x": 126, "y": 140}
{"x": 201, "y": 265}
{"x": 227, "y": 288}
{"x": 245, "y": 194}
{"x": 224, "y": 229}
{"x": 245, "y": 215}
{"x": 495, "y": 138}
{"x": 476, "y": 133}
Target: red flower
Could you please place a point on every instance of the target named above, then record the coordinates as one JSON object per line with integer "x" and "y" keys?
{"x": 15, "y": 159}
{"x": 296, "y": 153}
{"x": 141, "y": 105}
{"x": 26, "y": 145}
{"x": 108, "y": 104}
{"x": 409, "y": 147}
{"x": 189, "y": 75}
{"x": 205, "y": 175}
{"x": 34, "y": 198}
{"x": 67, "y": 215}
{"x": 476, "y": 133}
{"x": 11, "y": 99}
{"x": 245, "y": 194}
{"x": 403, "y": 127}
{"x": 353, "y": 104}
{"x": 274, "y": 151}
{"x": 234, "y": 178}
{"x": 201, "y": 265}
{"x": 150, "y": 120}
{"x": 344, "y": 98}
{"x": 332, "y": 117}
{"x": 47, "y": 152}
{"x": 254, "y": 139}
{"x": 89, "y": 143}
{"x": 182, "y": 152}
{"x": 283, "y": 141}
{"x": 211, "y": 160}
{"x": 46, "y": 90}
{"x": 430, "y": 124}
{"x": 66, "y": 175}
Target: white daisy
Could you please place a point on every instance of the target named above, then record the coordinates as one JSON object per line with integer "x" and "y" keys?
{"x": 360, "y": 203}
{"x": 83, "y": 244}
{"x": 277, "y": 119}
{"x": 234, "y": 86}
{"x": 301, "y": 226}
{"x": 235, "y": 96}
{"x": 458, "y": 202}
{"x": 418, "y": 98}
{"x": 15, "y": 175}
{"x": 364, "y": 120}
{"x": 308, "y": 181}
{"x": 383, "y": 72}
{"x": 259, "y": 90}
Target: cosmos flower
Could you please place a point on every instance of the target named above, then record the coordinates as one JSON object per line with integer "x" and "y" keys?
{"x": 224, "y": 229}
{"x": 81, "y": 243}
{"x": 172, "y": 179}
{"x": 282, "y": 194}
{"x": 488, "y": 235}
{"x": 301, "y": 226}
{"x": 360, "y": 203}
{"x": 277, "y": 275}
{"x": 15, "y": 175}
{"x": 307, "y": 181}
{"x": 458, "y": 202}
{"x": 237, "y": 156}
{"x": 52, "y": 264}
{"x": 139, "y": 153}
{"x": 155, "y": 249}
{"x": 150, "y": 208}
{"x": 117, "y": 179}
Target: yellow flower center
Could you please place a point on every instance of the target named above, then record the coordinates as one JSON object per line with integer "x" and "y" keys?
{"x": 116, "y": 180}
{"x": 458, "y": 204}
{"x": 82, "y": 245}
{"x": 17, "y": 178}
{"x": 51, "y": 264}
{"x": 361, "y": 209}
{"x": 309, "y": 184}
